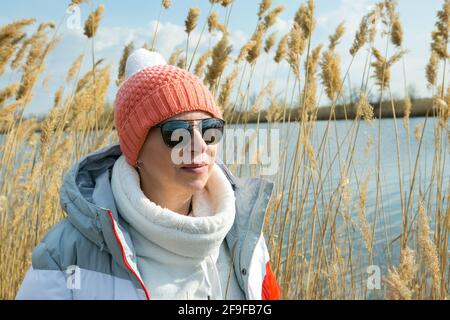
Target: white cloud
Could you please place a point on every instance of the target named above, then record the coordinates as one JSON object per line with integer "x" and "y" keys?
{"x": 349, "y": 10}
{"x": 282, "y": 26}
{"x": 117, "y": 37}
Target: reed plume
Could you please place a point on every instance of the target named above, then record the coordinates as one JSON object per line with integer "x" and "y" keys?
{"x": 401, "y": 280}
{"x": 256, "y": 41}
{"x": 427, "y": 246}
{"x": 364, "y": 109}
{"x": 244, "y": 51}
{"x": 213, "y": 21}
{"x": 78, "y": 2}
{"x": 440, "y": 34}
{"x": 47, "y": 129}
{"x": 397, "y": 289}
{"x": 397, "y": 32}
{"x": 46, "y": 81}
{"x": 92, "y": 23}
{"x": 226, "y": 89}
{"x": 181, "y": 63}
{"x": 166, "y": 4}
{"x": 13, "y": 30}
{"x": 40, "y": 47}
{"x": 442, "y": 110}
{"x": 310, "y": 153}
{"x": 271, "y": 17}
{"x": 382, "y": 66}
{"x": 219, "y": 61}
{"x": 282, "y": 49}
{"x": 296, "y": 47}
{"x": 407, "y": 268}
{"x": 274, "y": 112}
{"x": 407, "y": 112}
{"x": 382, "y": 71}
{"x": 84, "y": 107}
{"x": 368, "y": 146}
{"x": 74, "y": 69}
{"x": 311, "y": 81}
{"x": 389, "y": 16}
{"x": 374, "y": 16}
{"x": 85, "y": 80}
{"x": 174, "y": 56}
{"x": 226, "y": 3}
{"x": 304, "y": 17}
{"x": 431, "y": 69}
{"x": 360, "y": 36}
{"x": 331, "y": 73}
{"x": 7, "y": 113}
{"x": 20, "y": 54}
{"x": 337, "y": 36}
{"x": 10, "y": 36}
{"x": 361, "y": 210}
{"x": 270, "y": 41}
{"x": 330, "y": 65}
{"x": 418, "y": 131}
{"x": 198, "y": 71}
{"x": 191, "y": 21}
{"x": 58, "y": 97}
{"x": 263, "y": 7}
{"x": 8, "y": 92}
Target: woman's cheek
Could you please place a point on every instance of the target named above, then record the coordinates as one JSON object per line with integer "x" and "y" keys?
{"x": 212, "y": 153}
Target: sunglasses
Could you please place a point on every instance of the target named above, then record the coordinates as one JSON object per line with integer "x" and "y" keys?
{"x": 210, "y": 128}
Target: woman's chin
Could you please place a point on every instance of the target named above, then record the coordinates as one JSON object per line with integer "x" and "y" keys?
{"x": 196, "y": 183}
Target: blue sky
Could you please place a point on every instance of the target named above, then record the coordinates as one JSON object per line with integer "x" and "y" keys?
{"x": 135, "y": 20}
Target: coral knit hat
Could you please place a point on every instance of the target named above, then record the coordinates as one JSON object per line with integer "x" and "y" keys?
{"x": 152, "y": 93}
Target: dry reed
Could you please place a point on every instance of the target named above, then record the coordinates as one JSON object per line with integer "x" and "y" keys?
{"x": 93, "y": 21}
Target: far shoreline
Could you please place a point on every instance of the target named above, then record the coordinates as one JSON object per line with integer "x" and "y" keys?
{"x": 420, "y": 108}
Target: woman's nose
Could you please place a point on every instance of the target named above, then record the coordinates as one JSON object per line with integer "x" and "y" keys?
{"x": 198, "y": 145}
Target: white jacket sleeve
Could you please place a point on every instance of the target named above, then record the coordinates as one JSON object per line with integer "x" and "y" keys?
{"x": 44, "y": 285}
{"x": 44, "y": 280}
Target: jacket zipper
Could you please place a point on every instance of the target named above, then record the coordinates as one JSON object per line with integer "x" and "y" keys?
{"x": 124, "y": 257}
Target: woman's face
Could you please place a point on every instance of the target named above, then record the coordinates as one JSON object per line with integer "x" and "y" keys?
{"x": 161, "y": 164}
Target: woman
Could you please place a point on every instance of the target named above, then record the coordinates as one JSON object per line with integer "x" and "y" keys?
{"x": 157, "y": 215}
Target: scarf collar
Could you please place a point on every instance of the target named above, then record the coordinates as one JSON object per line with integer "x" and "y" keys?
{"x": 196, "y": 236}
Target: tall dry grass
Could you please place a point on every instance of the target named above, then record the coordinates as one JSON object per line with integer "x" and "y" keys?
{"x": 310, "y": 233}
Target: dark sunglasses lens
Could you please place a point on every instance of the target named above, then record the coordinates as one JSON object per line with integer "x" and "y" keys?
{"x": 173, "y": 132}
{"x": 212, "y": 130}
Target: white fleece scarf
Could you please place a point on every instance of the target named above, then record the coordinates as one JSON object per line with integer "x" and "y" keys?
{"x": 176, "y": 254}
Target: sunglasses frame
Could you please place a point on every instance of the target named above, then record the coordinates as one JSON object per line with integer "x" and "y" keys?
{"x": 192, "y": 123}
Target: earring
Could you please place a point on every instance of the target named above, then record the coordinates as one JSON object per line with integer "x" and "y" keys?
{"x": 138, "y": 164}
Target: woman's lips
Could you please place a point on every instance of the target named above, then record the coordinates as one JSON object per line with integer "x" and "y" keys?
{"x": 195, "y": 168}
